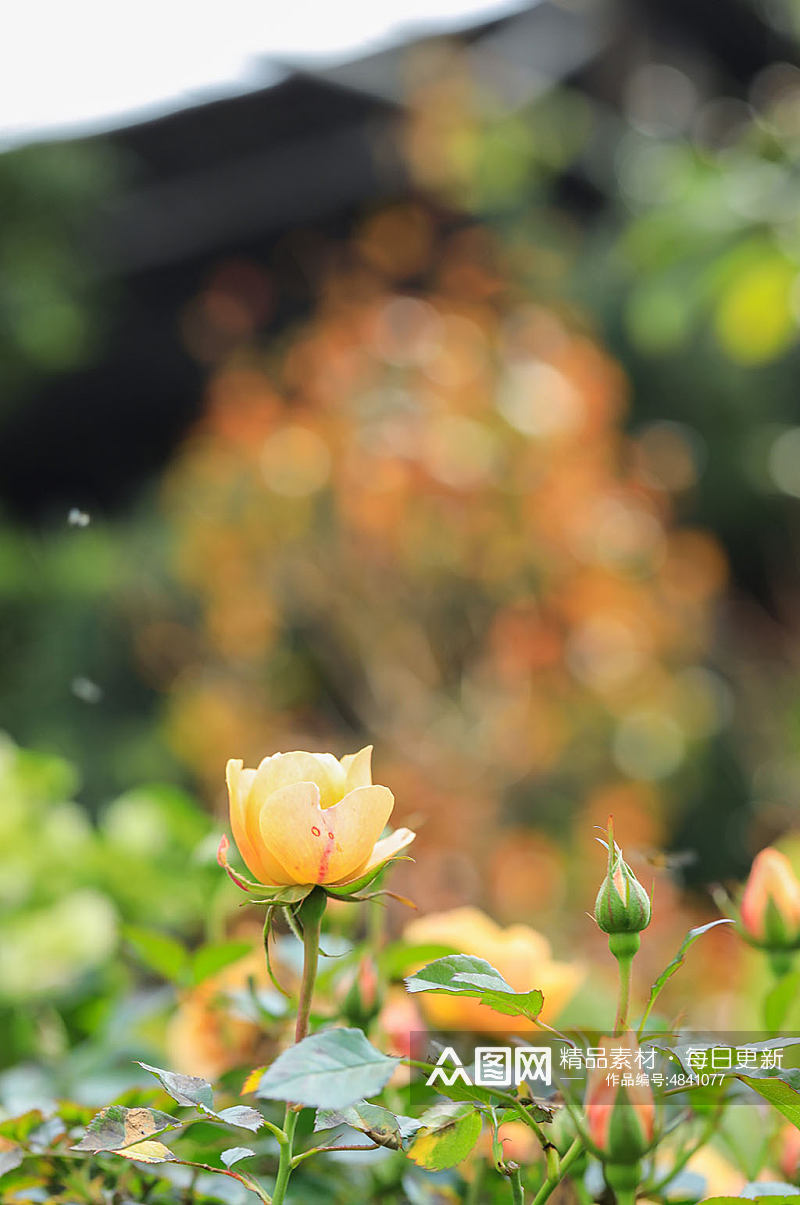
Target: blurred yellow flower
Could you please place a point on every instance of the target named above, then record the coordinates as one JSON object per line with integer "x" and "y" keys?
{"x": 207, "y": 1035}
{"x": 518, "y": 1141}
{"x": 310, "y": 818}
{"x": 521, "y": 955}
{"x": 722, "y": 1178}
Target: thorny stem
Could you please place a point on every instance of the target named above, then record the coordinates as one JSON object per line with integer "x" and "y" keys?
{"x": 517, "y": 1193}
{"x": 625, "y": 1196}
{"x": 565, "y": 1164}
{"x": 623, "y": 1180}
{"x": 285, "y": 1162}
{"x": 623, "y": 1004}
{"x": 624, "y": 947}
{"x": 506, "y": 1098}
{"x": 310, "y": 915}
{"x": 544, "y": 1141}
{"x": 320, "y": 1150}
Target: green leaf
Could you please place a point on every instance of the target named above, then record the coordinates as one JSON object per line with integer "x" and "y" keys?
{"x": 327, "y": 1070}
{"x": 689, "y": 940}
{"x": 235, "y": 1153}
{"x": 381, "y": 1124}
{"x": 778, "y": 1092}
{"x": 447, "y": 1134}
{"x": 780, "y": 999}
{"x": 161, "y": 953}
{"x": 185, "y": 1089}
{"x": 463, "y": 975}
{"x": 208, "y": 960}
{"x": 116, "y": 1127}
{"x": 242, "y": 1115}
{"x": 20, "y": 1128}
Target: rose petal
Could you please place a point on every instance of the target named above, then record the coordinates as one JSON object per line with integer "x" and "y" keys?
{"x": 358, "y": 768}
{"x": 386, "y": 848}
{"x": 239, "y": 781}
{"x": 244, "y": 824}
{"x": 319, "y": 845}
{"x": 292, "y": 826}
{"x": 285, "y": 769}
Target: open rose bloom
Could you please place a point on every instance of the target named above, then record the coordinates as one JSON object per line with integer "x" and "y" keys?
{"x": 302, "y": 819}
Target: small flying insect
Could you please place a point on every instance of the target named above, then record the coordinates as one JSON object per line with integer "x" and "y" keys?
{"x": 671, "y": 860}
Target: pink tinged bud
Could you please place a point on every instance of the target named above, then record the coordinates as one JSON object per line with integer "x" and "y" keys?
{"x": 400, "y": 1021}
{"x": 364, "y": 998}
{"x": 622, "y": 904}
{"x": 599, "y": 1103}
{"x": 789, "y": 1152}
{"x": 367, "y": 983}
{"x": 770, "y": 906}
{"x": 620, "y": 1120}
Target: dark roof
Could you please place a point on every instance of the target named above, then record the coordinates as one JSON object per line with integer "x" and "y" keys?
{"x": 232, "y": 176}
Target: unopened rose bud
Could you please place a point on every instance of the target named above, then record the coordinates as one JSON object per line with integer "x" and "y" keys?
{"x": 622, "y": 904}
{"x": 620, "y": 1120}
{"x": 367, "y": 980}
{"x": 364, "y": 998}
{"x": 789, "y": 1152}
{"x": 400, "y": 1020}
{"x": 770, "y": 908}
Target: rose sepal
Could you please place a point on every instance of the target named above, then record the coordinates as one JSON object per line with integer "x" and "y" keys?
{"x": 293, "y": 893}
{"x": 349, "y": 891}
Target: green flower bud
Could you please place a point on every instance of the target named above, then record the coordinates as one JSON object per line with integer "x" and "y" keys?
{"x": 623, "y": 1179}
{"x": 620, "y": 1120}
{"x": 622, "y": 904}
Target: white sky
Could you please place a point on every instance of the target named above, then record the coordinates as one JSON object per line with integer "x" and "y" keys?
{"x": 75, "y": 66}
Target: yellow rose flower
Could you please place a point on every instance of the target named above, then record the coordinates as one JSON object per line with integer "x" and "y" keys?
{"x": 521, "y": 955}
{"x": 308, "y": 818}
